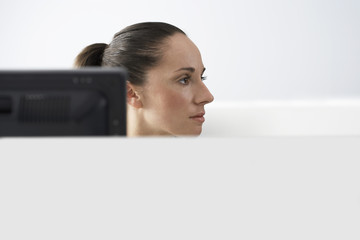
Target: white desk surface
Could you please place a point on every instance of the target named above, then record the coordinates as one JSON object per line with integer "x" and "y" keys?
{"x": 179, "y": 188}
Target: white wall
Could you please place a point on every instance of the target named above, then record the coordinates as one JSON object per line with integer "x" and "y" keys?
{"x": 337, "y": 117}
{"x": 256, "y": 49}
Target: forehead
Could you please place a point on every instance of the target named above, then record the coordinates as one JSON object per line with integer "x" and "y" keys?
{"x": 180, "y": 51}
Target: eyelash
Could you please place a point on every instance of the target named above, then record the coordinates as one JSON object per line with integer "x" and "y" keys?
{"x": 182, "y": 81}
{"x": 187, "y": 79}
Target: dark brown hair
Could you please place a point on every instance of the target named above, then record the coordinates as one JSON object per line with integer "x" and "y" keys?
{"x": 137, "y": 48}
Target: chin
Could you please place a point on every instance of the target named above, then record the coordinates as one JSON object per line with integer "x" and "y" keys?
{"x": 190, "y": 132}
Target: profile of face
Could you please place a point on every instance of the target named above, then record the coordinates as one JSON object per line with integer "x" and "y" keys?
{"x": 172, "y": 100}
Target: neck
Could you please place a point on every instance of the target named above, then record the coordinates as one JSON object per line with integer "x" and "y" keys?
{"x": 136, "y": 124}
{"x": 133, "y": 123}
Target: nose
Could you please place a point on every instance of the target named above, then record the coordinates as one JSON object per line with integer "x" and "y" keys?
{"x": 203, "y": 95}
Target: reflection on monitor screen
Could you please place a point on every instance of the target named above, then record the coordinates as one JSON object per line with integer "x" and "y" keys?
{"x": 81, "y": 102}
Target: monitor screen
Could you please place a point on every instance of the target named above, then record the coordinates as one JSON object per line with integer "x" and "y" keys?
{"x": 77, "y": 102}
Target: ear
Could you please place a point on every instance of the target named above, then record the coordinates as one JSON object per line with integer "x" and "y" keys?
{"x": 132, "y": 96}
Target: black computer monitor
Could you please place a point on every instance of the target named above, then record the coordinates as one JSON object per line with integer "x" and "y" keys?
{"x": 77, "y": 102}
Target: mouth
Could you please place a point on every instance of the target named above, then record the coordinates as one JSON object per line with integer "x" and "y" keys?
{"x": 198, "y": 117}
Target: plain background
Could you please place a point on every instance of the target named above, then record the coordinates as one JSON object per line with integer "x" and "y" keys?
{"x": 176, "y": 188}
{"x": 258, "y": 49}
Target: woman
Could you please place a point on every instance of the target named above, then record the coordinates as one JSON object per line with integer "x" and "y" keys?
{"x": 165, "y": 90}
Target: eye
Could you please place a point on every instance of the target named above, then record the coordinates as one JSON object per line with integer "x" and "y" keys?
{"x": 203, "y": 78}
{"x": 184, "y": 81}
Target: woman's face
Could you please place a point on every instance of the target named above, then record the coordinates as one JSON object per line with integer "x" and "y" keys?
{"x": 174, "y": 94}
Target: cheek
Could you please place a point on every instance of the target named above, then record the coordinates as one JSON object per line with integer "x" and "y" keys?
{"x": 173, "y": 101}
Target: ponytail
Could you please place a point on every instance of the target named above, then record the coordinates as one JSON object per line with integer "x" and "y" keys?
{"x": 91, "y": 55}
{"x": 137, "y": 48}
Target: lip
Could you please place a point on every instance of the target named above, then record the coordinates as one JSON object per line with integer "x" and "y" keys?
{"x": 198, "y": 117}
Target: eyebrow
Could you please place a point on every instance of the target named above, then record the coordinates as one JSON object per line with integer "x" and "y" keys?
{"x": 190, "y": 69}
